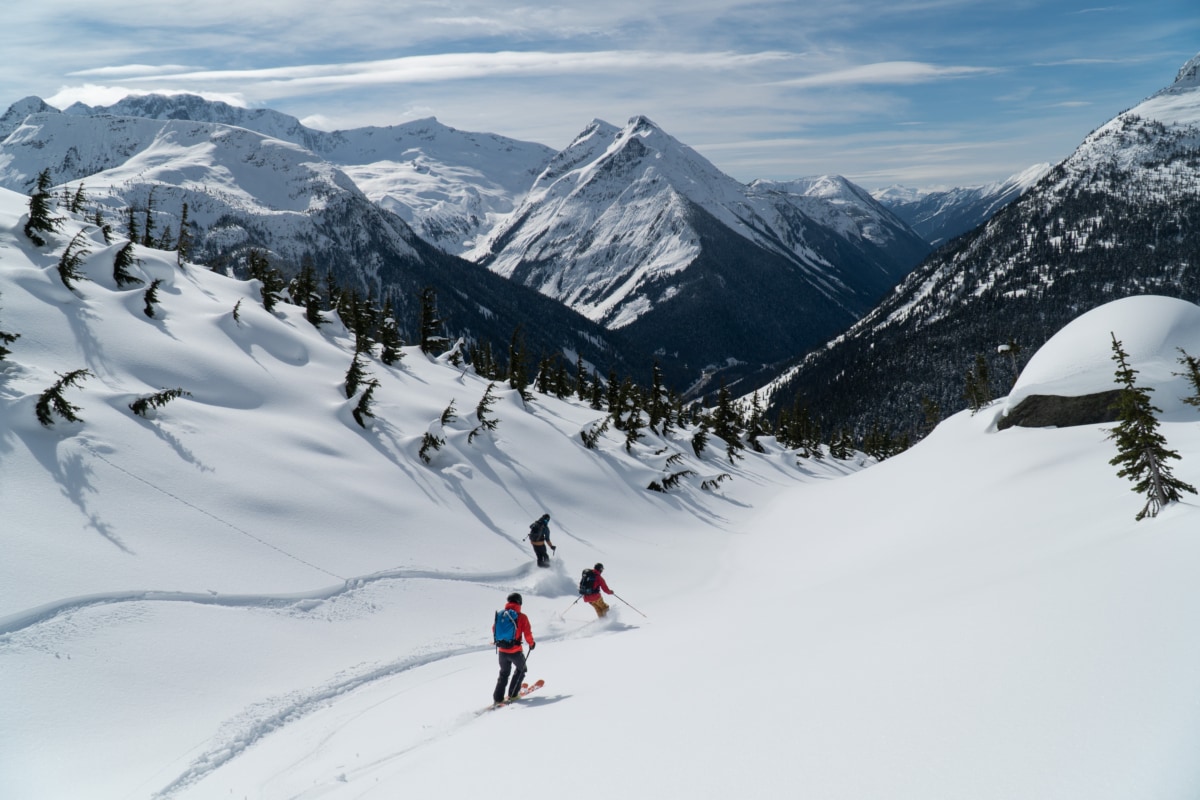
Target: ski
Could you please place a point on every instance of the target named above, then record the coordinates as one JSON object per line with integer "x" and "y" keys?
{"x": 526, "y": 688}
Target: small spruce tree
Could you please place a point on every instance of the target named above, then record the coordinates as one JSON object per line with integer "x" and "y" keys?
{"x": 363, "y": 409}
{"x": 1142, "y": 453}
{"x": 71, "y": 260}
{"x": 40, "y": 221}
{"x": 355, "y": 376}
{"x": 52, "y": 400}
{"x": 143, "y": 405}
{"x": 151, "y": 297}
{"x": 122, "y": 261}
{"x": 1191, "y": 366}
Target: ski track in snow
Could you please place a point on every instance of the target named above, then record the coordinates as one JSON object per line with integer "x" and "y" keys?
{"x": 243, "y": 731}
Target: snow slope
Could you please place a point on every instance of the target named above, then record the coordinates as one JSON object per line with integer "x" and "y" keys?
{"x": 249, "y": 595}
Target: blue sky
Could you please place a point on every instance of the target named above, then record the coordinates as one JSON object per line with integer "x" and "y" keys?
{"x": 917, "y": 92}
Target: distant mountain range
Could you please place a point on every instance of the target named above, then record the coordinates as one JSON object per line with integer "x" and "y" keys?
{"x": 939, "y": 216}
{"x": 1117, "y": 218}
{"x": 627, "y": 226}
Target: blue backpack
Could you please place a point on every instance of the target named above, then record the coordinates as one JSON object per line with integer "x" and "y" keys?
{"x": 506, "y": 629}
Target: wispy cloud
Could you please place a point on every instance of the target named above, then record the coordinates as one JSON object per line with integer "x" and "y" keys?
{"x": 450, "y": 67}
{"x": 886, "y": 72}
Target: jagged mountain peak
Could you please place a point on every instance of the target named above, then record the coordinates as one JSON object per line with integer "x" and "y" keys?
{"x": 1188, "y": 76}
{"x": 21, "y": 109}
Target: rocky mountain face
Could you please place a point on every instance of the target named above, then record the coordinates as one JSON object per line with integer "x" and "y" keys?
{"x": 941, "y": 216}
{"x": 1115, "y": 219}
{"x": 247, "y": 190}
{"x": 640, "y": 233}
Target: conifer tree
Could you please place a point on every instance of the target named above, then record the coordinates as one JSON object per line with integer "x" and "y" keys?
{"x": 52, "y": 399}
{"x": 581, "y": 379}
{"x": 727, "y": 423}
{"x": 143, "y": 405}
{"x": 518, "y": 367}
{"x": 131, "y": 225}
{"x": 105, "y": 228}
{"x": 183, "y": 245}
{"x": 430, "y": 442}
{"x": 78, "y": 200}
{"x": 122, "y": 261}
{"x": 658, "y": 404}
{"x": 271, "y": 279}
{"x": 356, "y": 375}
{"x": 700, "y": 437}
{"x": 40, "y": 221}
{"x": 391, "y": 343}
{"x": 305, "y": 292}
{"x": 151, "y": 297}
{"x": 148, "y": 221}
{"x": 448, "y": 415}
{"x": 70, "y": 261}
{"x": 433, "y": 341}
{"x": 1191, "y": 366}
{"x": 363, "y": 408}
{"x": 483, "y": 411}
{"x": 1142, "y": 453}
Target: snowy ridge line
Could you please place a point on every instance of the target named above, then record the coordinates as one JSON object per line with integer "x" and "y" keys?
{"x": 38, "y": 615}
{"x": 250, "y": 730}
{"x": 211, "y": 515}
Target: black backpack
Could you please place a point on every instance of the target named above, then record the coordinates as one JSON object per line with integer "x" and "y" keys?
{"x": 587, "y": 583}
{"x": 538, "y": 531}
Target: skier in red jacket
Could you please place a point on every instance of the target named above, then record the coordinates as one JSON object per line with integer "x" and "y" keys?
{"x": 598, "y": 585}
{"x": 511, "y": 654}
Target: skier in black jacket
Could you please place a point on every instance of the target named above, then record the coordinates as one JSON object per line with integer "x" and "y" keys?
{"x": 539, "y": 537}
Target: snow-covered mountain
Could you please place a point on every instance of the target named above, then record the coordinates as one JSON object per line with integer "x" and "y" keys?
{"x": 244, "y": 593}
{"x": 637, "y": 231}
{"x": 451, "y": 186}
{"x": 939, "y": 216}
{"x": 248, "y": 190}
{"x": 1114, "y": 219}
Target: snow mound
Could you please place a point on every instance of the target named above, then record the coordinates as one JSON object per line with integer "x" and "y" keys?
{"x": 1078, "y": 359}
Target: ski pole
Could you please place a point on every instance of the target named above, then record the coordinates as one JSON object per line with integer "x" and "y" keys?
{"x": 626, "y": 602}
{"x": 568, "y": 608}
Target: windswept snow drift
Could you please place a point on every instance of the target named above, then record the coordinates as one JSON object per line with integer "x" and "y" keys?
{"x": 249, "y": 595}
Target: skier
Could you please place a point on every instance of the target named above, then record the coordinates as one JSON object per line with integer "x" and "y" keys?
{"x": 510, "y": 626}
{"x": 590, "y": 587}
{"x": 539, "y": 537}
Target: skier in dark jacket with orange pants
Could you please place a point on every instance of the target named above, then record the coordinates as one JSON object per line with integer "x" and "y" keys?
{"x": 512, "y": 657}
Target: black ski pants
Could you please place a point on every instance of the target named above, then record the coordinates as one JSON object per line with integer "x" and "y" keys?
{"x": 509, "y": 662}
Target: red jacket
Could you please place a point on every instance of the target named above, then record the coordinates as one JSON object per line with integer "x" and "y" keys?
{"x": 600, "y": 584}
{"x": 523, "y": 629}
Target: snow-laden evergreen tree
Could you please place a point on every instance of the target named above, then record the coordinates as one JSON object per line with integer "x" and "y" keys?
{"x": 151, "y": 297}
{"x": 305, "y": 291}
{"x": 363, "y": 408}
{"x": 143, "y": 405}
{"x": 1191, "y": 371}
{"x": 131, "y": 224}
{"x": 433, "y": 340}
{"x": 271, "y": 279}
{"x": 356, "y": 375}
{"x": 1142, "y": 453}
{"x": 52, "y": 400}
{"x": 727, "y": 423}
{"x": 70, "y": 261}
{"x": 148, "y": 222}
{"x": 183, "y": 245}
{"x": 40, "y": 221}
{"x": 391, "y": 343}
{"x": 122, "y": 261}
{"x": 105, "y": 229}
{"x": 483, "y": 412}
{"x": 518, "y": 366}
